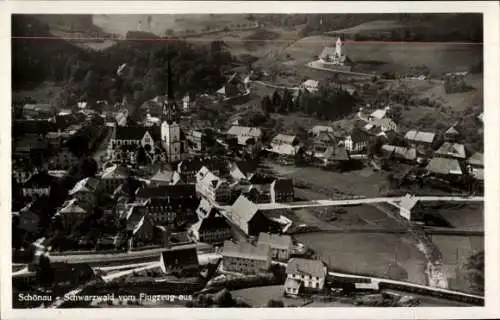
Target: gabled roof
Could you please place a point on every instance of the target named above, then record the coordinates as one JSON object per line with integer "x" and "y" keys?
{"x": 85, "y": 185}
{"x": 476, "y": 159}
{"x": 284, "y": 149}
{"x": 39, "y": 180}
{"x": 205, "y": 209}
{"x": 325, "y": 137}
{"x": 72, "y": 206}
{"x": 358, "y": 135}
{"x": 338, "y": 153}
{"x": 379, "y": 113}
{"x": 242, "y": 211}
{"x": 284, "y": 138}
{"x": 444, "y": 166}
{"x": 246, "y": 250}
{"x": 408, "y": 202}
{"x": 115, "y": 172}
{"x": 246, "y": 167}
{"x": 455, "y": 150}
{"x": 282, "y": 186}
{"x": 245, "y": 131}
{"x": 137, "y": 132}
{"x": 134, "y": 217}
{"x": 212, "y": 223}
{"x": 299, "y": 266}
{"x": 317, "y": 129}
{"x": 165, "y": 177}
{"x": 420, "y": 136}
{"x": 400, "y": 152}
{"x": 275, "y": 240}
{"x": 451, "y": 131}
{"x": 206, "y": 177}
{"x": 180, "y": 256}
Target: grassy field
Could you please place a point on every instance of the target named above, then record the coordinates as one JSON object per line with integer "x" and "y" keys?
{"x": 456, "y": 250}
{"x": 461, "y": 216}
{"x": 370, "y": 26}
{"x": 382, "y": 255}
{"x": 364, "y": 182}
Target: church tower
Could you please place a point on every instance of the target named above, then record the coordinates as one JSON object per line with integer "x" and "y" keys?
{"x": 170, "y": 129}
{"x": 338, "y": 48}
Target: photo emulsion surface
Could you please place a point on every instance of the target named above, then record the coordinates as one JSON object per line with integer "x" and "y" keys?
{"x": 247, "y": 160}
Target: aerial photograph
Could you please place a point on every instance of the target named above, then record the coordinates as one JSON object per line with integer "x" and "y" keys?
{"x": 247, "y": 160}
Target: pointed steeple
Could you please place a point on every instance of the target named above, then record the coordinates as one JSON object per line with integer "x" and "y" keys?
{"x": 169, "y": 106}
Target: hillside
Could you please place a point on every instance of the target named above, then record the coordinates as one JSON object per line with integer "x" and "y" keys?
{"x": 91, "y": 75}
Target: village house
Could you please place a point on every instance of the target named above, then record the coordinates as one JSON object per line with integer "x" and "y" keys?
{"x": 134, "y": 137}
{"x": 403, "y": 154}
{"x": 451, "y": 135}
{"x": 246, "y": 258}
{"x": 334, "y": 156}
{"x": 451, "y": 150}
{"x": 165, "y": 176}
{"x": 357, "y": 141}
{"x": 281, "y": 190}
{"x": 285, "y": 145}
{"x": 444, "y": 167}
{"x": 281, "y": 245}
{"x": 475, "y": 166}
{"x": 242, "y": 170}
{"x": 324, "y": 139}
{"x": 196, "y": 140}
{"x": 212, "y": 227}
{"x": 212, "y": 187}
{"x": 235, "y": 86}
{"x": 420, "y": 138}
{"x": 253, "y": 218}
{"x": 39, "y": 184}
{"x": 304, "y": 274}
{"x": 316, "y": 130}
{"x": 114, "y": 176}
{"x": 86, "y": 190}
{"x": 72, "y": 213}
{"x": 182, "y": 260}
{"x": 168, "y": 203}
{"x": 139, "y": 226}
{"x": 188, "y": 168}
{"x": 310, "y": 85}
{"x": 383, "y": 125}
{"x": 249, "y": 137}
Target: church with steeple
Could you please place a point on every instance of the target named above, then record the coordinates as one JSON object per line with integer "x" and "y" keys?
{"x": 170, "y": 128}
{"x": 335, "y": 58}
{"x": 163, "y": 141}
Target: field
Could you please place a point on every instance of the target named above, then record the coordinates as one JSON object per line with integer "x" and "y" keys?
{"x": 461, "y": 216}
{"x": 364, "y": 182}
{"x": 370, "y": 27}
{"x": 456, "y": 250}
{"x": 383, "y": 255}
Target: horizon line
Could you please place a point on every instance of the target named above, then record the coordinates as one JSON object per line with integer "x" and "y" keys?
{"x": 187, "y": 38}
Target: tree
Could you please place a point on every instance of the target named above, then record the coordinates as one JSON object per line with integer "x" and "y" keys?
{"x": 267, "y": 105}
{"x": 276, "y": 99}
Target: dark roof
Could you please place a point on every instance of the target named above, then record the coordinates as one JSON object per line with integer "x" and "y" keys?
{"x": 40, "y": 179}
{"x": 20, "y": 127}
{"x": 195, "y": 164}
{"x": 283, "y": 185}
{"x": 358, "y": 135}
{"x": 246, "y": 167}
{"x": 338, "y": 153}
{"x": 299, "y": 266}
{"x": 179, "y": 257}
{"x": 177, "y": 190}
{"x": 134, "y": 214}
{"x": 260, "y": 179}
{"x": 214, "y": 223}
{"x": 325, "y": 137}
{"x": 137, "y": 132}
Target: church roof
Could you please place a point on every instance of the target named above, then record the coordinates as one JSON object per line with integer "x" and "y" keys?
{"x": 137, "y": 132}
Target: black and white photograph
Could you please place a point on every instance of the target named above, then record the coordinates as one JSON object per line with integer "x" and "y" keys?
{"x": 248, "y": 160}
